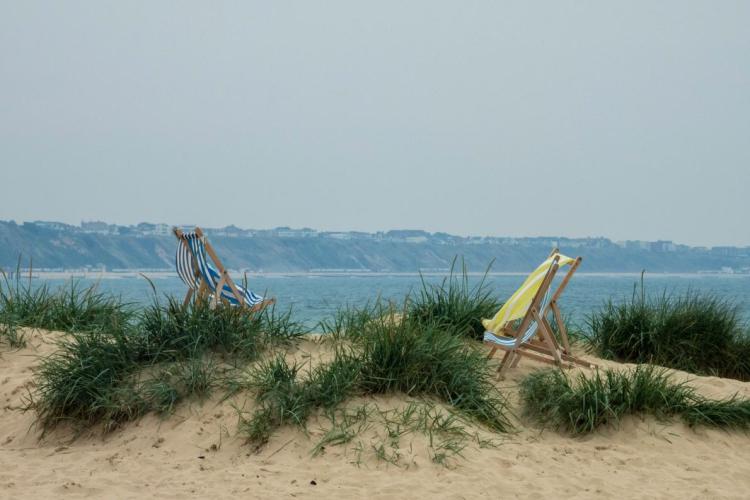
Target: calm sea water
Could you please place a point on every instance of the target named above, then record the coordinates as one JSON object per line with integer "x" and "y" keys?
{"x": 315, "y": 297}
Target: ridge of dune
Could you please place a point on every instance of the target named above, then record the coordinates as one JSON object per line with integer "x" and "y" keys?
{"x": 197, "y": 453}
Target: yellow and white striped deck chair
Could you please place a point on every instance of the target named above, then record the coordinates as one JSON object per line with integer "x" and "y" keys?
{"x": 521, "y": 327}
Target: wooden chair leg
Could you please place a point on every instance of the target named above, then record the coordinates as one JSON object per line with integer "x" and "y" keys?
{"x": 202, "y": 290}
{"x": 515, "y": 362}
{"x": 507, "y": 360}
{"x": 547, "y": 336}
{"x": 219, "y": 288}
{"x": 561, "y": 327}
{"x": 493, "y": 350}
{"x": 188, "y": 296}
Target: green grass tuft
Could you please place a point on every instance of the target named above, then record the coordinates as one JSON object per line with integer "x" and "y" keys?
{"x": 103, "y": 375}
{"x": 389, "y": 356}
{"x": 80, "y": 381}
{"x": 281, "y": 398}
{"x": 454, "y": 305}
{"x": 330, "y": 384}
{"x": 174, "y": 332}
{"x": 350, "y": 323}
{"x": 430, "y": 361}
{"x": 730, "y": 413}
{"x": 698, "y": 333}
{"x": 70, "y": 309}
{"x": 590, "y": 401}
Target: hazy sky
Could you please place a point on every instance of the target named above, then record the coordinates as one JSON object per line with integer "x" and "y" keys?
{"x": 630, "y": 121}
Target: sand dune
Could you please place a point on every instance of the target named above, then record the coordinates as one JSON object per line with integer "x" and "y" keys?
{"x": 197, "y": 453}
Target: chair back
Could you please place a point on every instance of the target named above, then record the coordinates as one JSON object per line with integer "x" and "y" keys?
{"x": 519, "y": 303}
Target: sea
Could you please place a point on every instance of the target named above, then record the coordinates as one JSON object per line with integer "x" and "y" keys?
{"x": 314, "y": 297}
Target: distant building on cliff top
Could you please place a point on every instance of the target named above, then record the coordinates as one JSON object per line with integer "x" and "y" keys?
{"x": 146, "y": 228}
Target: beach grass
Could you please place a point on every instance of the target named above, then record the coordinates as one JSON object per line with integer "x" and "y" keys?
{"x": 74, "y": 308}
{"x": 454, "y": 305}
{"x": 730, "y": 413}
{"x": 391, "y": 357}
{"x": 84, "y": 380}
{"x": 694, "y": 332}
{"x": 167, "y": 332}
{"x": 163, "y": 355}
{"x": 426, "y": 359}
{"x": 284, "y": 397}
{"x": 587, "y": 402}
{"x": 350, "y": 323}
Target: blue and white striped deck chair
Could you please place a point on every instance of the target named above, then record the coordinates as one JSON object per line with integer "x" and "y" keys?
{"x": 521, "y": 327}
{"x": 201, "y": 277}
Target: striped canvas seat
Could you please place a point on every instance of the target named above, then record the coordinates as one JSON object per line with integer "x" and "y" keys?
{"x": 511, "y": 341}
{"x": 193, "y": 267}
{"x": 185, "y": 268}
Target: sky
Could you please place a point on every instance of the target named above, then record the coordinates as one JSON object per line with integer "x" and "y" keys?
{"x": 627, "y": 120}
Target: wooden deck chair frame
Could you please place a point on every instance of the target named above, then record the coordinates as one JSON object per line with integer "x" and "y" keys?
{"x": 203, "y": 289}
{"x": 543, "y": 346}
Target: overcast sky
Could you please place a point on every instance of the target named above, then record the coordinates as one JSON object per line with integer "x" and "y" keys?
{"x": 629, "y": 121}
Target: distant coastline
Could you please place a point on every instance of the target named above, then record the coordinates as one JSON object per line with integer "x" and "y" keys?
{"x": 94, "y": 247}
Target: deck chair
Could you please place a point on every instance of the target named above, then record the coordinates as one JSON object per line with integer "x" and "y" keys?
{"x": 521, "y": 328}
{"x": 210, "y": 280}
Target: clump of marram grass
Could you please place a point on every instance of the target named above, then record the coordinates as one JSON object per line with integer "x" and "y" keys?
{"x": 173, "y": 331}
{"x": 281, "y": 397}
{"x": 330, "y": 384}
{"x": 726, "y": 414}
{"x": 85, "y": 379}
{"x": 698, "y": 333}
{"x": 284, "y": 398}
{"x": 393, "y": 356}
{"x": 428, "y": 360}
{"x": 590, "y": 401}
{"x": 72, "y": 308}
{"x": 454, "y": 305}
{"x": 167, "y": 354}
{"x": 351, "y": 322}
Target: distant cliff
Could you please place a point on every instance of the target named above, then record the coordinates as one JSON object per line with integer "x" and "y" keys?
{"x": 151, "y": 246}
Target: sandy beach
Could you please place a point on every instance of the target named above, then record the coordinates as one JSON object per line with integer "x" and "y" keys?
{"x": 198, "y": 453}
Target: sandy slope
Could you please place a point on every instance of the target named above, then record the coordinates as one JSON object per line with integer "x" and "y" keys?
{"x": 196, "y": 453}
